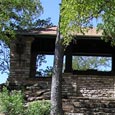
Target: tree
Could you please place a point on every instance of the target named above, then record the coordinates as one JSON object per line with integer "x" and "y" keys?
{"x": 89, "y": 62}
{"x": 76, "y": 17}
{"x": 4, "y": 58}
{"x": 45, "y": 73}
{"x": 17, "y": 14}
{"x": 79, "y": 14}
{"x": 56, "y": 87}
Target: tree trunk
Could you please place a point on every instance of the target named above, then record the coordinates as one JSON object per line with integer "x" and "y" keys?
{"x": 56, "y": 87}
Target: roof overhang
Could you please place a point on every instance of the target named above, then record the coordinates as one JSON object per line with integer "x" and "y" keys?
{"x": 52, "y": 31}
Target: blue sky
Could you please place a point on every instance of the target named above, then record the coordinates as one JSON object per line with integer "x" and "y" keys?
{"x": 51, "y": 9}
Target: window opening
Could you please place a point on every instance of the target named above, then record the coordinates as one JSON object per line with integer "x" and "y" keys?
{"x": 96, "y": 63}
{"x": 44, "y": 65}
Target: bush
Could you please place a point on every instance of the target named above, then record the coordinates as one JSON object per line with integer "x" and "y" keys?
{"x": 11, "y": 103}
{"x": 39, "y": 108}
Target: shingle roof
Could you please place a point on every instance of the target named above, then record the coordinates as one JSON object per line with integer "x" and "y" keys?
{"x": 91, "y": 32}
{"x": 53, "y": 31}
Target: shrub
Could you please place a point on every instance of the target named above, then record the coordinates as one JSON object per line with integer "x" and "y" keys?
{"x": 11, "y": 103}
{"x": 39, "y": 108}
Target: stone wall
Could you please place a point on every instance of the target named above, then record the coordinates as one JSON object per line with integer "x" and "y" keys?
{"x": 82, "y": 94}
{"x": 95, "y": 86}
{"x": 89, "y": 95}
{"x": 89, "y": 85}
{"x": 89, "y": 106}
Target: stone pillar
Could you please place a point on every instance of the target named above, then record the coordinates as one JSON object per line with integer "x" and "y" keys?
{"x": 68, "y": 60}
{"x": 20, "y": 62}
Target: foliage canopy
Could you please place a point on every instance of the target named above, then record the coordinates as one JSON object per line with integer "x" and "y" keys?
{"x": 77, "y": 16}
{"x": 17, "y": 14}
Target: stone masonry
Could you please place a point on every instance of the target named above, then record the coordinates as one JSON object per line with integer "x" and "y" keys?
{"x": 82, "y": 94}
{"x": 20, "y": 64}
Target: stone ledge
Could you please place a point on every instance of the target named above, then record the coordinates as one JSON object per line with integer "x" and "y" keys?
{"x": 94, "y": 98}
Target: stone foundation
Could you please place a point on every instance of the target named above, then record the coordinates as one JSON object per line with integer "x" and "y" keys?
{"x": 89, "y": 106}
{"x": 82, "y": 94}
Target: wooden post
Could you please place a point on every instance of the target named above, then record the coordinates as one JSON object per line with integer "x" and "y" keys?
{"x": 113, "y": 62}
{"x": 68, "y": 60}
{"x": 33, "y": 65}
